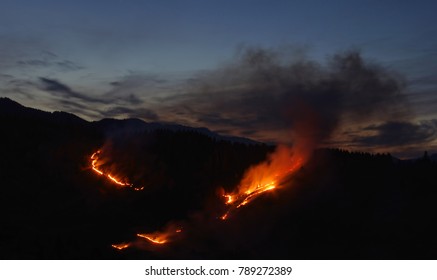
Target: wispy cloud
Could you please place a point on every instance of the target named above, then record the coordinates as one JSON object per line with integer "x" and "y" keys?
{"x": 107, "y": 105}
{"x": 61, "y": 90}
{"x": 142, "y": 113}
{"x": 146, "y": 85}
{"x": 47, "y": 59}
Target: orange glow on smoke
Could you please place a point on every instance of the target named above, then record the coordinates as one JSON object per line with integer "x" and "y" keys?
{"x": 111, "y": 177}
{"x": 263, "y": 177}
{"x": 160, "y": 237}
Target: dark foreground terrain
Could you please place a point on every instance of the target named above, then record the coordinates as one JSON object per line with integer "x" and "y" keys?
{"x": 339, "y": 205}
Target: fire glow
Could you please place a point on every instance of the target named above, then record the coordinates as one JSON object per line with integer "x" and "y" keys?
{"x": 157, "y": 239}
{"x": 94, "y": 166}
{"x": 259, "y": 179}
{"x": 264, "y": 177}
{"x": 121, "y": 246}
{"x": 161, "y": 237}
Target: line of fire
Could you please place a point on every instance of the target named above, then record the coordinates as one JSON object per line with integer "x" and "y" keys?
{"x": 257, "y": 180}
{"x": 95, "y": 167}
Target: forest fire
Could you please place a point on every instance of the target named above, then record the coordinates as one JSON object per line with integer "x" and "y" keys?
{"x": 94, "y": 166}
{"x": 263, "y": 177}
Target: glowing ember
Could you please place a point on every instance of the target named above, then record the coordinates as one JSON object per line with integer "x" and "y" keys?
{"x": 263, "y": 177}
{"x": 120, "y": 246}
{"x": 225, "y": 216}
{"x": 94, "y": 166}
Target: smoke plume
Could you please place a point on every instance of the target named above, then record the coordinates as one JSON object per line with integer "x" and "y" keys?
{"x": 273, "y": 94}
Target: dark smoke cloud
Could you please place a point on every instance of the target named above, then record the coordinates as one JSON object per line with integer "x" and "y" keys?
{"x": 276, "y": 91}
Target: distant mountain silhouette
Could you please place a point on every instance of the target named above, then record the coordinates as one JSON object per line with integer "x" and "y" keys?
{"x": 137, "y": 125}
{"x": 9, "y": 106}
{"x": 12, "y": 108}
{"x": 339, "y": 205}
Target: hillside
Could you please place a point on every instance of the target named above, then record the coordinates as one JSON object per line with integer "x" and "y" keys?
{"x": 338, "y": 205}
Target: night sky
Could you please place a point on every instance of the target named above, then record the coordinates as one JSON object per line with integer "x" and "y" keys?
{"x": 365, "y": 71}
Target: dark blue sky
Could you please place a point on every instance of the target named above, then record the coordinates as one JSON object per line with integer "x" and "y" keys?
{"x": 126, "y": 57}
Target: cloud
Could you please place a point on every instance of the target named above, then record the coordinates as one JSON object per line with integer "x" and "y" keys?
{"x": 47, "y": 59}
{"x": 399, "y": 134}
{"x": 424, "y": 102}
{"x": 131, "y": 99}
{"x": 142, "y": 113}
{"x": 73, "y": 106}
{"x": 20, "y": 87}
{"x": 67, "y": 65}
{"x": 61, "y": 90}
{"x": 137, "y": 83}
{"x": 102, "y": 106}
{"x": 6, "y": 76}
{"x": 33, "y": 62}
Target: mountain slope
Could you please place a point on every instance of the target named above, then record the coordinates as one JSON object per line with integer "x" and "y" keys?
{"x": 339, "y": 205}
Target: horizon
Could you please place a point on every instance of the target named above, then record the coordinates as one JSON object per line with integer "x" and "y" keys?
{"x": 420, "y": 154}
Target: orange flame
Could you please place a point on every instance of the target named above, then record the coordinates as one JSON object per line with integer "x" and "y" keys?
{"x": 264, "y": 177}
{"x": 94, "y": 159}
{"x": 157, "y": 239}
{"x": 230, "y": 198}
{"x": 160, "y": 237}
{"x": 120, "y": 246}
{"x": 94, "y": 166}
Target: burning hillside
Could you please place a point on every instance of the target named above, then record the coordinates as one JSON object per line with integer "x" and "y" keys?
{"x": 258, "y": 179}
{"x": 95, "y": 166}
